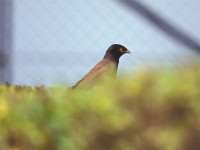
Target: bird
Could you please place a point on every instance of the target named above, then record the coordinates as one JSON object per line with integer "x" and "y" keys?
{"x": 108, "y": 66}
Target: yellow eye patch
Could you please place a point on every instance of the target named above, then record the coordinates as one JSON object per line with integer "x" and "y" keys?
{"x": 121, "y": 50}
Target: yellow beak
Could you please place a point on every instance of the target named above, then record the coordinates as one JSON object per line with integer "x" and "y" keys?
{"x": 128, "y": 51}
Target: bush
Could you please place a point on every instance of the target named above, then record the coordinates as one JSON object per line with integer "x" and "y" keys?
{"x": 152, "y": 110}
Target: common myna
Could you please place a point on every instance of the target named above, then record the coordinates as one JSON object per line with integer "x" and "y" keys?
{"x": 106, "y": 67}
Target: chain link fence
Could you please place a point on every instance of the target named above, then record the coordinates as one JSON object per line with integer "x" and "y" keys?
{"x": 57, "y": 42}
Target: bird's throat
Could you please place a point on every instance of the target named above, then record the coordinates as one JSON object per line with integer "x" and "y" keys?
{"x": 112, "y": 58}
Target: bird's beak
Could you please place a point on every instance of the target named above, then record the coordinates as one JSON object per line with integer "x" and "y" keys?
{"x": 128, "y": 51}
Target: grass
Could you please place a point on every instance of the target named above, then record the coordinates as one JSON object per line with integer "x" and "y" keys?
{"x": 152, "y": 110}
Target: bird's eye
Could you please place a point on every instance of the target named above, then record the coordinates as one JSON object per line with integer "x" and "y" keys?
{"x": 121, "y": 50}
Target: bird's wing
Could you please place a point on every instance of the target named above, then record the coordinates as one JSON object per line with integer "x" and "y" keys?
{"x": 77, "y": 83}
{"x": 103, "y": 67}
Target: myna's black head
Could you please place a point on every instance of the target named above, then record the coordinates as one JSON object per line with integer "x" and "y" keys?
{"x": 115, "y": 51}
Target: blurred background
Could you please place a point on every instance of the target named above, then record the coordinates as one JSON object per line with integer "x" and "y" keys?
{"x": 57, "y": 42}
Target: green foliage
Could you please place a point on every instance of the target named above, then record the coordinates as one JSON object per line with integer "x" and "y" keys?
{"x": 152, "y": 110}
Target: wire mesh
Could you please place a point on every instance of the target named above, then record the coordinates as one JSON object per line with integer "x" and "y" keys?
{"x": 57, "y": 42}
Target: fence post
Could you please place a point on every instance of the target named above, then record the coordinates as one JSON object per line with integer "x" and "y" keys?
{"x": 6, "y": 9}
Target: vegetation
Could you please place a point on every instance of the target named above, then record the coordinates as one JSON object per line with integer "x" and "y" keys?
{"x": 152, "y": 110}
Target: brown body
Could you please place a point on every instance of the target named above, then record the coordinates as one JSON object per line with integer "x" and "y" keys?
{"x": 103, "y": 68}
{"x": 107, "y": 67}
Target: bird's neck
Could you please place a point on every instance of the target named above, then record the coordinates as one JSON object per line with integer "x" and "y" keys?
{"x": 110, "y": 57}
